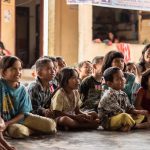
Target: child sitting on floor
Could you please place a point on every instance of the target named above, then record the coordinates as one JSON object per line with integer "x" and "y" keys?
{"x": 116, "y": 59}
{"x": 91, "y": 87}
{"x": 40, "y": 91}
{"x": 16, "y": 104}
{"x": 143, "y": 95}
{"x": 114, "y": 107}
{"x": 66, "y": 103}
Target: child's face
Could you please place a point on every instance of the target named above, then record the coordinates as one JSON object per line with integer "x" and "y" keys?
{"x": 13, "y": 74}
{"x": 98, "y": 67}
{"x": 61, "y": 64}
{"x": 86, "y": 69}
{"x": 131, "y": 69}
{"x": 147, "y": 56}
{"x": 55, "y": 65}
{"x": 118, "y": 62}
{"x": 47, "y": 72}
{"x": 118, "y": 81}
{"x": 73, "y": 82}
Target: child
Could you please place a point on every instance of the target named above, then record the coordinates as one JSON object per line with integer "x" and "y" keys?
{"x": 132, "y": 68}
{"x": 144, "y": 63}
{"x": 66, "y": 103}
{"x": 91, "y": 86}
{"x": 41, "y": 90}
{"x": 3, "y": 143}
{"x": 116, "y": 59}
{"x": 114, "y": 107}
{"x": 143, "y": 95}
{"x": 84, "y": 69}
{"x": 61, "y": 63}
{"x": 15, "y": 102}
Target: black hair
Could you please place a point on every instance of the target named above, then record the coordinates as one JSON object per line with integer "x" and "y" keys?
{"x": 51, "y": 58}
{"x": 109, "y": 57}
{"x": 80, "y": 64}
{"x": 97, "y": 59}
{"x": 8, "y": 61}
{"x": 142, "y": 60}
{"x": 41, "y": 62}
{"x": 144, "y": 79}
{"x": 58, "y": 58}
{"x": 64, "y": 75}
{"x": 109, "y": 73}
{"x": 130, "y": 63}
{"x": 2, "y": 45}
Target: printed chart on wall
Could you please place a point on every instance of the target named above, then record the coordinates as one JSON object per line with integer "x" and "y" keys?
{"x": 125, "y": 4}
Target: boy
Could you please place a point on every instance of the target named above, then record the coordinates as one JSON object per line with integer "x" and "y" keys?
{"x": 40, "y": 91}
{"x": 84, "y": 69}
{"x": 115, "y": 111}
{"x": 90, "y": 88}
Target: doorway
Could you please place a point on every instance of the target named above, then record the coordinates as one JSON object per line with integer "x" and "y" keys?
{"x": 29, "y": 18}
{"x": 22, "y": 34}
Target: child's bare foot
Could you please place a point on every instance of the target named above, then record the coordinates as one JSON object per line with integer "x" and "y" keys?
{"x": 125, "y": 129}
{"x": 144, "y": 125}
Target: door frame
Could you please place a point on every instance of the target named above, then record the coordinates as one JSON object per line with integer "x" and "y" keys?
{"x": 41, "y": 26}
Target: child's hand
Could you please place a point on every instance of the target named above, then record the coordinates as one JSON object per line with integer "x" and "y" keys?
{"x": 81, "y": 118}
{"x": 48, "y": 113}
{"x": 143, "y": 112}
{"x": 89, "y": 117}
{"x": 2, "y": 125}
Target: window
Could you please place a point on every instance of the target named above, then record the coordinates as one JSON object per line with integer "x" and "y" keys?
{"x": 121, "y": 22}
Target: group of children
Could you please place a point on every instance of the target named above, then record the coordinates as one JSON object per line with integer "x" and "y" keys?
{"x": 104, "y": 92}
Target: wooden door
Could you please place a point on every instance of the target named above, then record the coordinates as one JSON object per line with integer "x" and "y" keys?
{"x": 22, "y": 34}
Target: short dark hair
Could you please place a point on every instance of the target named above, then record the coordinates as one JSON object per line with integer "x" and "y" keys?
{"x": 109, "y": 73}
{"x": 64, "y": 75}
{"x": 144, "y": 79}
{"x": 97, "y": 59}
{"x": 49, "y": 57}
{"x": 8, "y": 61}
{"x": 41, "y": 62}
{"x": 130, "y": 63}
{"x": 80, "y": 64}
{"x": 58, "y": 58}
{"x": 109, "y": 57}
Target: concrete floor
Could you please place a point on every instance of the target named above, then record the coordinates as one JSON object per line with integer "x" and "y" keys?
{"x": 87, "y": 140}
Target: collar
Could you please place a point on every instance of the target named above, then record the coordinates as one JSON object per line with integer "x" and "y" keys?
{"x": 38, "y": 81}
{"x": 120, "y": 92}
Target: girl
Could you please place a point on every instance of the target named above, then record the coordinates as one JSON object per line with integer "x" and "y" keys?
{"x": 144, "y": 63}
{"x": 84, "y": 69}
{"x": 15, "y": 103}
{"x": 143, "y": 94}
{"x": 131, "y": 67}
{"x": 116, "y": 59}
{"x": 66, "y": 103}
